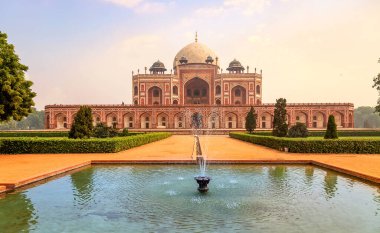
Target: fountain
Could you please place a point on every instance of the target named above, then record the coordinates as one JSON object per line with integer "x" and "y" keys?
{"x": 201, "y": 179}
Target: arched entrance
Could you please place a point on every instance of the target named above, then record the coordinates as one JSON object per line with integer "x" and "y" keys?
{"x": 238, "y": 95}
{"x": 197, "y": 92}
{"x": 155, "y": 96}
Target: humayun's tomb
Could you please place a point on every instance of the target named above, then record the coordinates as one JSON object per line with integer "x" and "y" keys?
{"x": 198, "y": 86}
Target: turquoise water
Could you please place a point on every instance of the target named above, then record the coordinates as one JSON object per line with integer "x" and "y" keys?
{"x": 155, "y": 198}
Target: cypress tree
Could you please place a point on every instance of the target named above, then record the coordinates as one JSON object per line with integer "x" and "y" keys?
{"x": 250, "y": 120}
{"x": 82, "y": 125}
{"x": 280, "y": 127}
{"x": 331, "y": 132}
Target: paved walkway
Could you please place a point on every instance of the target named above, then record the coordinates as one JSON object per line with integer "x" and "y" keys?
{"x": 18, "y": 170}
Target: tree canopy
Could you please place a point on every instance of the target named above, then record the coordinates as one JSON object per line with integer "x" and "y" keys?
{"x": 34, "y": 120}
{"x": 331, "y": 132}
{"x": 280, "y": 127}
{"x": 16, "y": 96}
{"x": 82, "y": 125}
{"x": 250, "y": 120}
{"x": 376, "y": 84}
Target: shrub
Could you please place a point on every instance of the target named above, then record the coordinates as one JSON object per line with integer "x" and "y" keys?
{"x": 250, "y": 120}
{"x": 82, "y": 125}
{"x": 280, "y": 127}
{"x": 66, "y": 145}
{"x": 299, "y": 130}
{"x": 101, "y": 130}
{"x": 314, "y": 145}
{"x": 331, "y": 128}
{"x": 124, "y": 133}
{"x": 34, "y": 134}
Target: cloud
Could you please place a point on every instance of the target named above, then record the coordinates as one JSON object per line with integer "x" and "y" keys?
{"x": 125, "y": 3}
{"x": 246, "y": 7}
{"x": 142, "y": 6}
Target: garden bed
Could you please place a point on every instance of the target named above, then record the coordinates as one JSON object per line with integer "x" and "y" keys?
{"x": 352, "y": 145}
{"x": 41, "y": 145}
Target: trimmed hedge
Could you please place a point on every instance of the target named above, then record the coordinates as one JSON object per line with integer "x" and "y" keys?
{"x": 343, "y": 133}
{"x": 65, "y": 145}
{"x": 34, "y": 134}
{"x": 314, "y": 145}
{"x": 46, "y": 134}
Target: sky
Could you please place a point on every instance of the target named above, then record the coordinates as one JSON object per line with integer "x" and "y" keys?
{"x": 84, "y": 51}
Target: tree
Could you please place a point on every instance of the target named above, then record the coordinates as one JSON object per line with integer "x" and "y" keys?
{"x": 280, "y": 127}
{"x": 299, "y": 130}
{"x": 16, "y": 96}
{"x": 376, "y": 84}
{"x": 250, "y": 120}
{"x": 82, "y": 125}
{"x": 331, "y": 132}
{"x": 34, "y": 120}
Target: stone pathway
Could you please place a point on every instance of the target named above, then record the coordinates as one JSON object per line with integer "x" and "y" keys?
{"x": 18, "y": 170}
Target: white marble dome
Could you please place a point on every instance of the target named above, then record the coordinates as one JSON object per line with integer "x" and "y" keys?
{"x": 195, "y": 53}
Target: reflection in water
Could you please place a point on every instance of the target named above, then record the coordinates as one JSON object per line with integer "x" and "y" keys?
{"x": 17, "y": 213}
{"x": 309, "y": 173}
{"x": 331, "y": 180}
{"x": 83, "y": 185}
{"x": 278, "y": 172}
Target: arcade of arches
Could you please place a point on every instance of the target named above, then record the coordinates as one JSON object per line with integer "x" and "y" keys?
{"x": 197, "y": 83}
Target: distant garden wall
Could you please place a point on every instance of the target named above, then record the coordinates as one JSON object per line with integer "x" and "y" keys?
{"x": 354, "y": 145}
{"x": 36, "y": 145}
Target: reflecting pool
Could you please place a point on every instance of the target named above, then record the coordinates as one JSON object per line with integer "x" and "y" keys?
{"x": 158, "y": 198}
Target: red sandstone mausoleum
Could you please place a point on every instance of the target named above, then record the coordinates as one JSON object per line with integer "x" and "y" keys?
{"x": 197, "y": 85}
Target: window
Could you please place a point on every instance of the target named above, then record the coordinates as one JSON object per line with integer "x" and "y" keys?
{"x": 146, "y": 118}
{"x": 263, "y": 118}
{"x": 163, "y": 121}
{"x": 258, "y": 89}
{"x": 218, "y": 102}
{"x": 217, "y": 90}
{"x": 314, "y": 118}
{"x": 204, "y": 92}
{"x": 156, "y": 93}
{"x": 180, "y": 118}
{"x": 230, "y": 118}
{"x": 64, "y": 118}
{"x": 113, "y": 118}
{"x": 175, "y": 90}
{"x": 136, "y": 91}
{"x": 237, "y": 92}
{"x": 196, "y": 92}
{"x": 175, "y": 101}
{"x": 297, "y": 118}
{"x": 130, "y": 118}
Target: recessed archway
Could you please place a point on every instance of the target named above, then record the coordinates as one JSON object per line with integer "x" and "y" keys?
{"x": 197, "y": 91}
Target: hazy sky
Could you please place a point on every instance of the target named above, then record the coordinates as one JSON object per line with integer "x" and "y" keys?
{"x": 83, "y": 51}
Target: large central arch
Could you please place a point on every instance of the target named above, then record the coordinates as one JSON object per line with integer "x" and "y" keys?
{"x": 197, "y": 91}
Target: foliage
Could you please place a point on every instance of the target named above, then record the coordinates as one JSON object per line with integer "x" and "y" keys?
{"x": 16, "y": 96}
{"x": 331, "y": 132}
{"x": 124, "y": 133}
{"x": 65, "y": 145}
{"x": 342, "y": 133}
{"x": 46, "y": 134}
{"x": 299, "y": 130}
{"x": 34, "y": 120}
{"x": 250, "y": 120}
{"x": 101, "y": 130}
{"x": 280, "y": 127}
{"x": 82, "y": 125}
{"x": 314, "y": 145}
{"x": 376, "y": 84}
{"x": 366, "y": 117}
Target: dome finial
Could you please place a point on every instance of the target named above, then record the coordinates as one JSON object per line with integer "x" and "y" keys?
{"x": 196, "y": 36}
